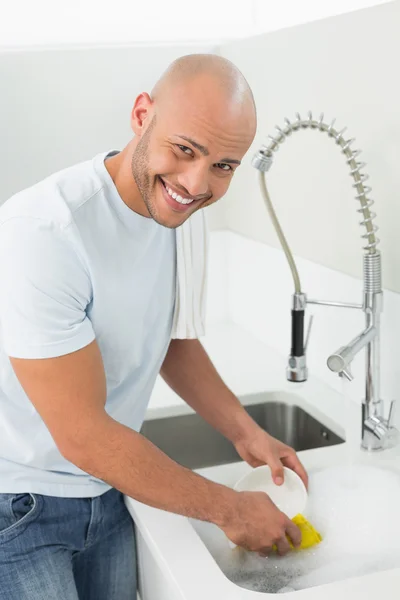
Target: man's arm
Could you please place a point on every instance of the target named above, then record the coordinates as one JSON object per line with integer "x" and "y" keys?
{"x": 190, "y": 373}
{"x": 188, "y": 370}
{"x": 69, "y": 392}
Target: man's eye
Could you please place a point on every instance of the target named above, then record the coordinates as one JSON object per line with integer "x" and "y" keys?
{"x": 184, "y": 149}
{"x": 224, "y": 166}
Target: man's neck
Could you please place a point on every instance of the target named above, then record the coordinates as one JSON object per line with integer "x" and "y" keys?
{"x": 119, "y": 168}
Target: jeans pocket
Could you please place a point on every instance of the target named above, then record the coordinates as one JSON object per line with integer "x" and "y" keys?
{"x": 17, "y": 511}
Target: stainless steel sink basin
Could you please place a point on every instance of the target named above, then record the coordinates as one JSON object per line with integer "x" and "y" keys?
{"x": 190, "y": 441}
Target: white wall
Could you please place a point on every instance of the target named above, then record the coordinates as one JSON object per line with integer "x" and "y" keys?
{"x": 55, "y": 22}
{"x": 270, "y": 15}
{"x": 346, "y": 67}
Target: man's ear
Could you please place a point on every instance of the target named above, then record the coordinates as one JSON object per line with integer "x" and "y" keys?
{"x": 141, "y": 112}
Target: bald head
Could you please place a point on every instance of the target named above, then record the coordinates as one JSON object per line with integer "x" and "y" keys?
{"x": 192, "y": 133}
{"x": 213, "y": 74}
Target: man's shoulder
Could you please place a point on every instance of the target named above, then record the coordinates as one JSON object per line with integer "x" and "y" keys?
{"x": 56, "y": 198}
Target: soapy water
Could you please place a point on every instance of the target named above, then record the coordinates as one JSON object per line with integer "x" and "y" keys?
{"x": 359, "y": 524}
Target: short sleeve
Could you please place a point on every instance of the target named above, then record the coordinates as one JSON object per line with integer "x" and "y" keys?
{"x": 45, "y": 289}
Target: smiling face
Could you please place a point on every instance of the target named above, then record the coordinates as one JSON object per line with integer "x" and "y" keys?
{"x": 189, "y": 144}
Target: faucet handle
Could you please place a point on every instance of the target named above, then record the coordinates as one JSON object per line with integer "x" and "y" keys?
{"x": 393, "y": 434}
{"x": 310, "y": 322}
{"x": 392, "y": 413}
{"x": 347, "y": 373}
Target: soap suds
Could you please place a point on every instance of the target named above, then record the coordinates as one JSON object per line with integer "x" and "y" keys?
{"x": 356, "y": 510}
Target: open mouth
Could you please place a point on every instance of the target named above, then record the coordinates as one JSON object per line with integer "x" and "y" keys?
{"x": 175, "y": 200}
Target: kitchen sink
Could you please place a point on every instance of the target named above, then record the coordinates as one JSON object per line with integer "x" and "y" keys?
{"x": 193, "y": 443}
{"x": 188, "y": 558}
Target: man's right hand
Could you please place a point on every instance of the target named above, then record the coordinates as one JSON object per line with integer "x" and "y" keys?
{"x": 256, "y": 524}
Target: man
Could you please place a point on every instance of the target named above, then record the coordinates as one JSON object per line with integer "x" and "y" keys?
{"x": 87, "y": 271}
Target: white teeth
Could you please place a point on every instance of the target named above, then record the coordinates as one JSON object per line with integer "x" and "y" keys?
{"x": 177, "y": 197}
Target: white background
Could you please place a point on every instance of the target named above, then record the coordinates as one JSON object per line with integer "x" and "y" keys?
{"x": 55, "y": 22}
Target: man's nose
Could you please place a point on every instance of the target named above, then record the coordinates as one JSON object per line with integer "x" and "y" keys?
{"x": 195, "y": 180}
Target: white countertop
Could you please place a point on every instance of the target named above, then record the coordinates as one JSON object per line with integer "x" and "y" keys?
{"x": 249, "y": 368}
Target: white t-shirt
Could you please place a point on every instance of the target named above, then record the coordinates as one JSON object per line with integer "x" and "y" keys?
{"x": 77, "y": 264}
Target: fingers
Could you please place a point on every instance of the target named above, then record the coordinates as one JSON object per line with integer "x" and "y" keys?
{"x": 293, "y": 532}
{"x": 292, "y": 461}
{"x": 276, "y": 470}
{"x": 283, "y": 546}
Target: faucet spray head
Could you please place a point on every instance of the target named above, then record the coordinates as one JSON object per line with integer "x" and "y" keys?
{"x": 297, "y": 369}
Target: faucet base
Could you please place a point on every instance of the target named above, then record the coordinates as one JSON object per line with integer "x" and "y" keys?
{"x": 371, "y": 449}
{"x": 370, "y": 443}
{"x": 378, "y": 433}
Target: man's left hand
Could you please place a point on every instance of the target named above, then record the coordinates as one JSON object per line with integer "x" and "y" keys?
{"x": 260, "y": 448}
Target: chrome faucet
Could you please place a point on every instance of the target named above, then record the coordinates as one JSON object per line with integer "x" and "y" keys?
{"x": 378, "y": 432}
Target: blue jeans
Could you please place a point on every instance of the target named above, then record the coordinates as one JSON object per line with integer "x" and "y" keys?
{"x": 66, "y": 548}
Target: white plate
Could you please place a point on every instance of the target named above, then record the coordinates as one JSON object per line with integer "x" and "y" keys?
{"x": 290, "y": 497}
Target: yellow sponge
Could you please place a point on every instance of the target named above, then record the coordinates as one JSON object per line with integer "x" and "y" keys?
{"x": 309, "y": 535}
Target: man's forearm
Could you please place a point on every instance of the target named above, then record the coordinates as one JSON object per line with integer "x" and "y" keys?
{"x": 188, "y": 370}
{"x": 130, "y": 463}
